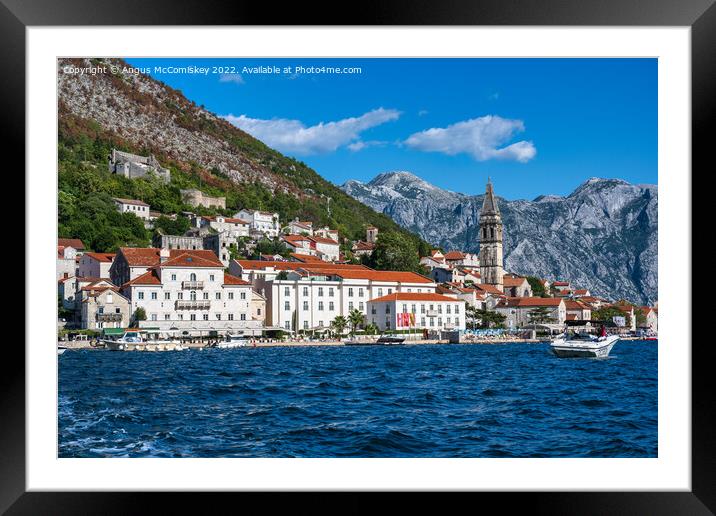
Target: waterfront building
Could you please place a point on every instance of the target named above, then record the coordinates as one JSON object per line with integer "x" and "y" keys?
{"x": 138, "y": 208}
{"x": 515, "y": 286}
{"x": 577, "y": 311}
{"x": 194, "y": 197}
{"x": 190, "y": 293}
{"x": 517, "y": 310}
{"x": 133, "y": 166}
{"x": 67, "y": 290}
{"x": 651, "y": 322}
{"x": 491, "y": 268}
{"x": 416, "y": 310}
{"x": 95, "y": 265}
{"x": 305, "y": 296}
{"x": 102, "y": 306}
{"x": 262, "y": 223}
{"x": 132, "y": 262}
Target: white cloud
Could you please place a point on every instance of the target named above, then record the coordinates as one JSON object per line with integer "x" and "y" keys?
{"x": 360, "y": 144}
{"x": 482, "y": 138}
{"x": 422, "y": 112}
{"x": 232, "y": 77}
{"x": 293, "y": 136}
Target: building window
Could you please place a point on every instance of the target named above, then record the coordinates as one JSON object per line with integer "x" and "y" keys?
{"x": 218, "y": 295}
{"x": 447, "y": 309}
{"x": 320, "y": 305}
{"x": 100, "y": 310}
{"x": 331, "y": 306}
{"x": 350, "y": 305}
{"x": 192, "y": 277}
{"x": 167, "y": 295}
{"x": 192, "y": 317}
{"x": 350, "y": 292}
{"x": 380, "y": 292}
{"x": 440, "y": 321}
{"x": 166, "y": 317}
{"x": 360, "y": 292}
{"x": 457, "y": 309}
{"x": 330, "y": 292}
{"x": 287, "y": 305}
{"x": 422, "y": 309}
{"x": 447, "y": 321}
{"x": 211, "y": 277}
{"x": 305, "y": 305}
{"x": 405, "y": 308}
{"x": 286, "y": 291}
{"x": 154, "y": 317}
{"x": 422, "y": 322}
{"x": 242, "y": 317}
{"x": 361, "y": 306}
{"x": 387, "y": 309}
{"x": 140, "y": 295}
{"x": 390, "y": 291}
{"x": 305, "y": 291}
{"x": 154, "y": 295}
{"x": 242, "y": 295}
{"x": 457, "y": 321}
{"x": 320, "y": 291}
{"x": 231, "y": 295}
{"x": 192, "y": 295}
{"x": 231, "y": 317}
{"x": 372, "y": 309}
{"x": 305, "y": 325}
{"x": 287, "y": 325}
{"x": 218, "y": 317}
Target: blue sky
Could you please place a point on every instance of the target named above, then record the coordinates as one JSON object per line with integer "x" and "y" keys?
{"x": 536, "y": 126}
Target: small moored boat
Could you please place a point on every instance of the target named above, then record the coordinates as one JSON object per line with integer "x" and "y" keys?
{"x": 390, "y": 339}
{"x": 132, "y": 340}
{"x": 233, "y": 341}
{"x": 61, "y": 349}
{"x": 583, "y": 345}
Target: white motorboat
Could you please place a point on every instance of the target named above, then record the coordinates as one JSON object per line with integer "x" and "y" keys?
{"x": 233, "y": 341}
{"x": 583, "y": 345}
{"x": 61, "y": 349}
{"x": 133, "y": 341}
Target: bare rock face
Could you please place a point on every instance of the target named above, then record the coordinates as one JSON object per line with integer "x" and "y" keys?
{"x": 603, "y": 236}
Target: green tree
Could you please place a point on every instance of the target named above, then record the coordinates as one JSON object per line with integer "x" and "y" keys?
{"x": 339, "y": 324}
{"x": 172, "y": 227}
{"x": 371, "y": 329}
{"x": 139, "y": 315}
{"x": 541, "y": 315}
{"x": 538, "y": 289}
{"x": 394, "y": 251}
{"x": 484, "y": 318}
{"x": 355, "y": 318}
{"x": 607, "y": 313}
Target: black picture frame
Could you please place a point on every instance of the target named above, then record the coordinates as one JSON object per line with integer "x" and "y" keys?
{"x": 700, "y": 15}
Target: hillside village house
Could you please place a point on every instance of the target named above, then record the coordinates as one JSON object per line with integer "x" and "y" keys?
{"x": 163, "y": 241}
{"x": 517, "y": 310}
{"x": 324, "y": 248}
{"x": 234, "y": 227}
{"x": 297, "y": 227}
{"x": 95, "y": 265}
{"x": 139, "y": 208}
{"x": 365, "y": 248}
{"x": 67, "y": 290}
{"x": 455, "y": 258}
{"x": 103, "y": 307}
{"x": 406, "y": 310}
{"x": 326, "y": 232}
{"x": 261, "y": 222}
{"x": 191, "y": 293}
{"x": 310, "y": 295}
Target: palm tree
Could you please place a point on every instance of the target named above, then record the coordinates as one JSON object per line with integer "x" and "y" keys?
{"x": 371, "y": 329}
{"x": 355, "y": 317}
{"x": 339, "y": 324}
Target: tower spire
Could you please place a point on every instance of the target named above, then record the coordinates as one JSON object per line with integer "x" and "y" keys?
{"x": 489, "y": 205}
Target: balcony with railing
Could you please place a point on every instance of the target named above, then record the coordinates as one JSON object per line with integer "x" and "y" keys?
{"x": 109, "y": 317}
{"x": 192, "y": 285}
{"x": 203, "y": 304}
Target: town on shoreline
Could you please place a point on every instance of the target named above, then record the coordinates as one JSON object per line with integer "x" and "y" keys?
{"x": 289, "y": 282}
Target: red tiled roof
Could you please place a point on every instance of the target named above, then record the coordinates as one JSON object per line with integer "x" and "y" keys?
{"x": 414, "y": 296}
{"x": 560, "y": 283}
{"x": 571, "y": 304}
{"x": 149, "y": 256}
{"x": 323, "y": 240}
{"x": 101, "y": 257}
{"x": 306, "y": 258}
{"x": 230, "y": 220}
{"x": 490, "y": 289}
{"x": 191, "y": 260}
{"x": 71, "y": 242}
{"x": 454, "y": 255}
{"x": 369, "y": 274}
{"x": 233, "y": 280}
{"x": 581, "y": 292}
{"x": 511, "y": 281}
{"x": 148, "y": 278}
{"x": 363, "y": 246}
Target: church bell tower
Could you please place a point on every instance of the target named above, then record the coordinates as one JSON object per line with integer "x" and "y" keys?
{"x": 491, "y": 269}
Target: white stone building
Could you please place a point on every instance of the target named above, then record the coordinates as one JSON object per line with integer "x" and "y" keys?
{"x": 305, "y": 296}
{"x": 192, "y": 295}
{"x": 103, "y": 307}
{"x": 298, "y": 227}
{"x": 411, "y": 310}
{"x": 261, "y": 222}
{"x": 139, "y": 208}
{"x": 132, "y": 262}
{"x": 95, "y": 265}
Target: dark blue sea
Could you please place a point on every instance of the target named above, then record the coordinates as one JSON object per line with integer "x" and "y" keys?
{"x": 502, "y": 400}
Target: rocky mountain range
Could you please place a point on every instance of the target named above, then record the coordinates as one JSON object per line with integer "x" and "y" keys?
{"x": 602, "y": 236}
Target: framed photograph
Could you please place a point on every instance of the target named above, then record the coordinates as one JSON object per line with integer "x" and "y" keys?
{"x": 446, "y": 249}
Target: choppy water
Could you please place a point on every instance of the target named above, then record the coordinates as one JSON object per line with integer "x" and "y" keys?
{"x": 507, "y": 400}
